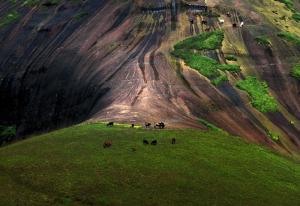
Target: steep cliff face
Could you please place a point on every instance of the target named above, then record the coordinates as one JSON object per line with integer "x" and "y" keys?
{"x": 63, "y": 62}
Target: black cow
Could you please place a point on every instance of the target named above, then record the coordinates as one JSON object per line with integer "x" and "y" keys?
{"x": 110, "y": 124}
{"x": 173, "y": 141}
{"x": 204, "y": 22}
{"x": 145, "y": 142}
{"x": 132, "y": 125}
{"x": 160, "y": 125}
{"x": 147, "y": 124}
{"x": 154, "y": 142}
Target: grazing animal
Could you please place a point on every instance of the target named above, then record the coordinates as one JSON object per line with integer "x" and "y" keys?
{"x": 110, "y": 124}
{"x": 154, "y": 142}
{"x": 145, "y": 142}
{"x": 228, "y": 14}
{"x": 221, "y": 21}
{"x": 147, "y": 124}
{"x": 173, "y": 141}
{"x": 160, "y": 125}
{"x": 242, "y": 24}
{"x": 234, "y": 25}
{"x": 132, "y": 125}
{"x": 107, "y": 144}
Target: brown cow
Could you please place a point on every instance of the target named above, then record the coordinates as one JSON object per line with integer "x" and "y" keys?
{"x": 107, "y": 143}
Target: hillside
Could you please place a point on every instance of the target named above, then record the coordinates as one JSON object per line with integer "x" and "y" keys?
{"x": 63, "y": 62}
{"x": 70, "y": 167}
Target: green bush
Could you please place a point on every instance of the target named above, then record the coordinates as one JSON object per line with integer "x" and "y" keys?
{"x": 288, "y": 3}
{"x": 296, "y": 71}
{"x": 7, "y": 131}
{"x": 259, "y": 94}
{"x": 273, "y": 136}
{"x": 296, "y": 16}
{"x": 231, "y": 57}
{"x": 9, "y": 18}
{"x": 290, "y": 37}
{"x": 30, "y": 3}
{"x": 209, "y": 125}
{"x": 229, "y": 67}
{"x": 219, "y": 80}
{"x": 80, "y": 15}
{"x": 263, "y": 40}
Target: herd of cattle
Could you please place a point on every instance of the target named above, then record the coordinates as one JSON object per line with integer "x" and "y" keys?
{"x": 108, "y": 143}
{"x": 159, "y": 125}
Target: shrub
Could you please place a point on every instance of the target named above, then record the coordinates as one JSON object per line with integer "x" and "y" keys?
{"x": 9, "y": 18}
{"x": 290, "y": 37}
{"x": 273, "y": 136}
{"x": 80, "y": 15}
{"x": 219, "y": 80}
{"x": 288, "y": 3}
{"x": 229, "y": 67}
{"x": 296, "y": 16}
{"x": 296, "y": 71}
{"x": 263, "y": 40}
{"x": 30, "y": 3}
{"x": 209, "y": 125}
{"x": 231, "y": 58}
{"x": 259, "y": 94}
{"x": 7, "y": 130}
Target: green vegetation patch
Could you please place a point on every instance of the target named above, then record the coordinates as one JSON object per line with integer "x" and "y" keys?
{"x": 290, "y": 37}
{"x": 263, "y": 40}
{"x": 208, "y": 40}
{"x": 288, "y": 3}
{"x": 9, "y": 18}
{"x": 296, "y": 71}
{"x": 231, "y": 57}
{"x": 209, "y": 125}
{"x": 80, "y": 15}
{"x": 189, "y": 50}
{"x": 71, "y": 167}
{"x": 219, "y": 80}
{"x": 229, "y": 67}
{"x": 7, "y": 130}
{"x": 259, "y": 94}
{"x": 30, "y": 3}
{"x": 206, "y": 66}
{"x": 296, "y": 16}
{"x": 7, "y": 133}
{"x": 275, "y": 137}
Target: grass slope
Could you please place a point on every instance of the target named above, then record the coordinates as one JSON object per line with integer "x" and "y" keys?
{"x": 70, "y": 167}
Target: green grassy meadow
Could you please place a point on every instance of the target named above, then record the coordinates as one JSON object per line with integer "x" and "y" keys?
{"x": 70, "y": 167}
